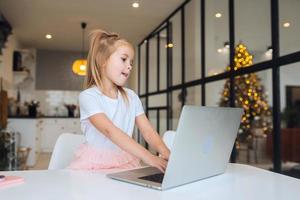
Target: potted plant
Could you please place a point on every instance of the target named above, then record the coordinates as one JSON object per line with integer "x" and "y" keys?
{"x": 71, "y": 109}
{"x": 32, "y": 108}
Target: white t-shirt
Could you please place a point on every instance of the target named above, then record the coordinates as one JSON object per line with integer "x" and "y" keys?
{"x": 122, "y": 115}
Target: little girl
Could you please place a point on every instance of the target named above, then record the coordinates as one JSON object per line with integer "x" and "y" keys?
{"x": 108, "y": 111}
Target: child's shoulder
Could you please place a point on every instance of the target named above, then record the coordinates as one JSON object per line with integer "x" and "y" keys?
{"x": 92, "y": 91}
{"x": 130, "y": 92}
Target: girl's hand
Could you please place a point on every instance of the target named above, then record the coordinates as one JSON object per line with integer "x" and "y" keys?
{"x": 165, "y": 154}
{"x": 156, "y": 162}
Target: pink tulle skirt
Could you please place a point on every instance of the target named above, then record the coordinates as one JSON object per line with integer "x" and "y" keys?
{"x": 88, "y": 157}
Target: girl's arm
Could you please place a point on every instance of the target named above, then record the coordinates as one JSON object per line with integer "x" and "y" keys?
{"x": 117, "y": 136}
{"x": 151, "y": 136}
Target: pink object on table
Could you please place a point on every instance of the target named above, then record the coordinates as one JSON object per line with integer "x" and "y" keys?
{"x": 11, "y": 180}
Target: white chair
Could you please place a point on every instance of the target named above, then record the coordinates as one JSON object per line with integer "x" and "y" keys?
{"x": 64, "y": 149}
{"x": 168, "y": 138}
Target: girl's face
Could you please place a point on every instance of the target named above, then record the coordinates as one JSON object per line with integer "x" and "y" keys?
{"x": 119, "y": 65}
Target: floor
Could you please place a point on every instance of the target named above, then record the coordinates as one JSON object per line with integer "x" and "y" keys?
{"x": 42, "y": 162}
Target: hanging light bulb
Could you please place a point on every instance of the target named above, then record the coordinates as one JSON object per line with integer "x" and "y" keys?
{"x": 79, "y": 65}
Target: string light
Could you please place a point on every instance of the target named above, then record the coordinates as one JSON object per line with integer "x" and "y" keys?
{"x": 135, "y": 5}
{"x": 218, "y": 15}
{"x": 286, "y": 24}
{"x": 170, "y": 45}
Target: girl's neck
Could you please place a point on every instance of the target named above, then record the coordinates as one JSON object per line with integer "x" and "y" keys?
{"x": 110, "y": 90}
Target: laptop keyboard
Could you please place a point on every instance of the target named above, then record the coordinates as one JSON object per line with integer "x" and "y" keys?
{"x": 158, "y": 178}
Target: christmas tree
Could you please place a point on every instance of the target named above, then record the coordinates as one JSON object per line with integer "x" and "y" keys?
{"x": 250, "y": 95}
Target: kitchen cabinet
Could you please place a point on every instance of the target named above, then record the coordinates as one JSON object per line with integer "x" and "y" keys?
{"x": 40, "y": 134}
{"x": 29, "y": 136}
{"x": 53, "y": 127}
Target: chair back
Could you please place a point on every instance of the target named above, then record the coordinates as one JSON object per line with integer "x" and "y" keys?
{"x": 64, "y": 149}
{"x": 168, "y": 138}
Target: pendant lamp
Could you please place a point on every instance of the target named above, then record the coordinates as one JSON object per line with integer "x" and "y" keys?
{"x": 79, "y": 65}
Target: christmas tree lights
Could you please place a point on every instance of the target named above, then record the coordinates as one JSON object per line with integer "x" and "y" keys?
{"x": 250, "y": 95}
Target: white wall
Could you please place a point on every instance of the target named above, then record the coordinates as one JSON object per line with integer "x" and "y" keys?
{"x": 6, "y": 62}
{"x": 52, "y": 101}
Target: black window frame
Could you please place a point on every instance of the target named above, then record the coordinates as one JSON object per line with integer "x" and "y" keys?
{"x": 274, "y": 64}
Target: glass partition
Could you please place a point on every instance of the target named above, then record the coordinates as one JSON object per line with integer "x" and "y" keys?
{"x": 290, "y": 120}
{"x": 214, "y": 91}
{"x": 254, "y": 30}
{"x": 216, "y": 37}
{"x": 152, "y": 64}
{"x": 192, "y": 41}
{"x": 176, "y": 48}
{"x": 176, "y": 108}
{"x": 163, "y": 60}
{"x": 142, "y": 72}
{"x": 289, "y": 26}
{"x": 193, "y": 95}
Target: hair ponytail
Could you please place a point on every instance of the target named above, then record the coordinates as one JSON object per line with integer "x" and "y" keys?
{"x": 102, "y": 45}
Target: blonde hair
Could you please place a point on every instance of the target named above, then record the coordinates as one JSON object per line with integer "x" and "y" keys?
{"x": 102, "y": 45}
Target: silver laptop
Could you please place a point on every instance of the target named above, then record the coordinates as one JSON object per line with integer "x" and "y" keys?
{"x": 202, "y": 146}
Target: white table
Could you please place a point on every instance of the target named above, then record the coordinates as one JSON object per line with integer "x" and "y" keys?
{"x": 239, "y": 182}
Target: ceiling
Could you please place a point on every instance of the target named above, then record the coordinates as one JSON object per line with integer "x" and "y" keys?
{"x": 32, "y": 20}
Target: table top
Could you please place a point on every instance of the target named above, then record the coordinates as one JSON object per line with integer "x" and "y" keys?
{"x": 238, "y": 182}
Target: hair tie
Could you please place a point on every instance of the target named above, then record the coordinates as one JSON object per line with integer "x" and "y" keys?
{"x": 112, "y": 35}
